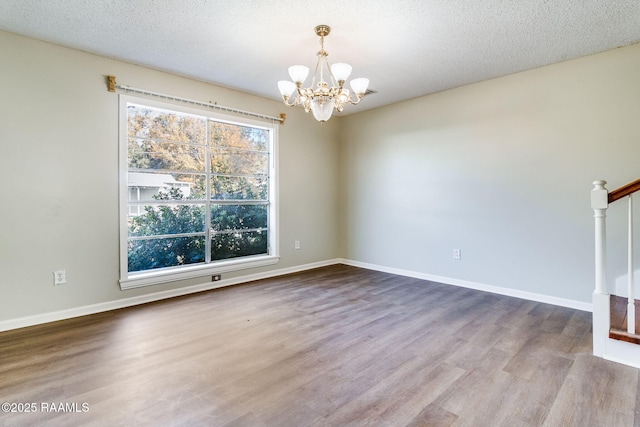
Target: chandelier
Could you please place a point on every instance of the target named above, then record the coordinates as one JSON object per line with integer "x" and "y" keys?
{"x": 322, "y": 99}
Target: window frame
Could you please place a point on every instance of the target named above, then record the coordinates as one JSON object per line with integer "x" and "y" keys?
{"x": 129, "y": 280}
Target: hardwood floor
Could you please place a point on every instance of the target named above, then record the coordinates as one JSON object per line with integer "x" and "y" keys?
{"x": 337, "y": 346}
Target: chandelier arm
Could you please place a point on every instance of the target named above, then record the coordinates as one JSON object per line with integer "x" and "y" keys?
{"x": 357, "y": 101}
{"x": 294, "y": 101}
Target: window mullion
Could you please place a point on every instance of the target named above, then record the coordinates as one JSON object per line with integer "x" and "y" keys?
{"x": 207, "y": 213}
{"x": 270, "y": 198}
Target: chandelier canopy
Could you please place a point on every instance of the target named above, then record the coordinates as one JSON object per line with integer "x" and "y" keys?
{"x": 322, "y": 99}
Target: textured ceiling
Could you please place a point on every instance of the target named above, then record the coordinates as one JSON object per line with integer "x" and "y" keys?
{"x": 407, "y": 48}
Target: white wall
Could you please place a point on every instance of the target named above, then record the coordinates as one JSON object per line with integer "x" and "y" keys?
{"x": 500, "y": 169}
{"x": 59, "y": 170}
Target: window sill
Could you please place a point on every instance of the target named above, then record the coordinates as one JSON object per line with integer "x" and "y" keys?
{"x": 148, "y": 278}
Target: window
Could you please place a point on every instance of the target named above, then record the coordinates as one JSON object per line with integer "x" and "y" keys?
{"x": 197, "y": 193}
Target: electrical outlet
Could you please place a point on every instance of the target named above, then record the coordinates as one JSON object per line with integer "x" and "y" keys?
{"x": 216, "y": 277}
{"x": 59, "y": 277}
{"x": 457, "y": 254}
{"x": 296, "y": 245}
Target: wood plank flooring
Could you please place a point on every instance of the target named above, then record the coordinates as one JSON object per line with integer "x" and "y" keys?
{"x": 619, "y": 319}
{"x": 336, "y": 346}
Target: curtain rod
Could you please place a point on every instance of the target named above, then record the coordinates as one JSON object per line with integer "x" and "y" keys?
{"x": 112, "y": 86}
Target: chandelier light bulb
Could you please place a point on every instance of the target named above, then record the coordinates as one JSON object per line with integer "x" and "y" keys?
{"x": 326, "y": 96}
{"x": 298, "y": 73}
{"x": 360, "y": 85}
{"x": 341, "y": 71}
{"x": 286, "y": 88}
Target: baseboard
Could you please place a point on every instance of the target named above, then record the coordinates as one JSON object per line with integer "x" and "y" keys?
{"x": 622, "y": 352}
{"x": 38, "y": 319}
{"x": 562, "y": 302}
{"x": 157, "y": 296}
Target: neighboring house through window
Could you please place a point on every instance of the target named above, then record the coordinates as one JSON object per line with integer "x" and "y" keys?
{"x": 144, "y": 186}
{"x": 198, "y": 193}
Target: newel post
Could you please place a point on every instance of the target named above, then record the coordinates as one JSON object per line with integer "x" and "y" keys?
{"x": 601, "y": 308}
{"x": 599, "y": 204}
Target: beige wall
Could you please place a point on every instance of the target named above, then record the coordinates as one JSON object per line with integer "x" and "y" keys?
{"x": 59, "y": 169}
{"x": 501, "y": 170}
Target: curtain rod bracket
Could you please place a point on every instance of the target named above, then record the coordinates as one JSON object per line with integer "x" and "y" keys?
{"x": 111, "y": 83}
{"x": 283, "y": 117}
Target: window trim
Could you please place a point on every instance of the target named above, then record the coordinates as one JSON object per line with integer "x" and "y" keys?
{"x": 170, "y": 274}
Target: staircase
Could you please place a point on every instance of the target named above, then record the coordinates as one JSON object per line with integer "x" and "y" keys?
{"x": 616, "y": 320}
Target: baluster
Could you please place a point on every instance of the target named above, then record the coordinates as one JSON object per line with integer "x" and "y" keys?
{"x": 631, "y": 307}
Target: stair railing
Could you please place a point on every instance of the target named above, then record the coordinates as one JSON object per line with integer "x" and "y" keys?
{"x": 627, "y": 191}
{"x": 600, "y": 201}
